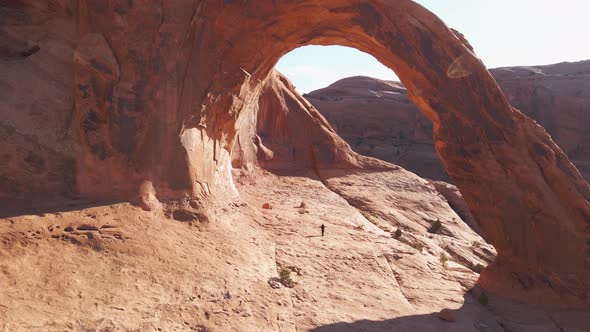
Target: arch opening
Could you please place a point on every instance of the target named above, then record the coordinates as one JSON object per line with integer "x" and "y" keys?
{"x": 366, "y": 105}
{"x": 313, "y": 67}
{"x": 288, "y": 141}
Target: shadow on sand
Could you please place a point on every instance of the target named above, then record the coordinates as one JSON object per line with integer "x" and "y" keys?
{"x": 499, "y": 315}
{"x": 417, "y": 323}
{"x": 39, "y": 206}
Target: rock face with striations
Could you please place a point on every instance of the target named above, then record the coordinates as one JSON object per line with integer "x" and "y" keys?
{"x": 150, "y": 99}
{"x": 283, "y": 132}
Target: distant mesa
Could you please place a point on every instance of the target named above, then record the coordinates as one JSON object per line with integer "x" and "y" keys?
{"x": 378, "y": 119}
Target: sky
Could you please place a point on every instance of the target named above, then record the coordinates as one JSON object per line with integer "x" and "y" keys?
{"x": 503, "y": 33}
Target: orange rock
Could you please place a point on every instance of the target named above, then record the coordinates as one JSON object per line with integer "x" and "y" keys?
{"x": 167, "y": 109}
{"x": 267, "y": 206}
{"x": 446, "y": 315}
{"x": 289, "y": 133}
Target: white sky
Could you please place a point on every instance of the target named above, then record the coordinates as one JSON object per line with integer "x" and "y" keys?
{"x": 503, "y": 33}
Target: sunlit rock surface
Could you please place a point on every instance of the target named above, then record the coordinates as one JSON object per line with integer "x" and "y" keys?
{"x": 131, "y": 101}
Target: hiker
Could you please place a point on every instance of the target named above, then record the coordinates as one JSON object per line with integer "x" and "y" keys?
{"x": 323, "y": 227}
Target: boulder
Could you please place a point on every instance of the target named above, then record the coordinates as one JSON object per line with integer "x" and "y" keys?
{"x": 446, "y": 315}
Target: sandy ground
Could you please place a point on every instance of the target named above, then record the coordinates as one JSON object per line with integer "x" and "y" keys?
{"x": 114, "y": 267}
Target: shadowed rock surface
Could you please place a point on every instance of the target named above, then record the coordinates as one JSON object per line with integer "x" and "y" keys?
{"x": 145, "y": 103}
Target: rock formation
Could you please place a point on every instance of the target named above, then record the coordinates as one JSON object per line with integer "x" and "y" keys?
{"x": 391, "y": 128}
{"x": 378, "y": 119}
{"x": 557, "y": 97}
{"x": 283, "y": 132}
{"x": 151, "y": 95}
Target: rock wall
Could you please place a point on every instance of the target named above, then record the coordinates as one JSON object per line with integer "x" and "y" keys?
{"x": 158, "y": 91}
{"x": 38, "y": 148}
{"x": 558, "y": 98}
{"x": 283, "y": 132}
{"x": 378, "y": 119}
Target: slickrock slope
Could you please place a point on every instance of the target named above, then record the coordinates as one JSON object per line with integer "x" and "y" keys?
{"x": 116, "y": 267}
{"x": 378, "y": 119}
{"x": 152, "y": 98}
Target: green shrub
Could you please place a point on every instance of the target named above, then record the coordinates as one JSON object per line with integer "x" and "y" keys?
{"x": 435, "y": 227}
{"x": 285, "y": 277}
{"x": 477, "y": 268}
{"x": 443, "y": 260}
{"x": 483, "y": 299}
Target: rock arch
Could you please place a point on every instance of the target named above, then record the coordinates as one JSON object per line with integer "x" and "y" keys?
{"x": 159, "y": 91}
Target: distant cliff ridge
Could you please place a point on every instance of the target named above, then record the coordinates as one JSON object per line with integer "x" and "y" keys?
{"x": 377, "y": 119}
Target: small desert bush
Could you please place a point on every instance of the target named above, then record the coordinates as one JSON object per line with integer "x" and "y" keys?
{"x": 483, "y": 299}
{"x": 285, "y": 277}
{"x": 477, "y": 268}
{"x": 443, "y": 259}
{"x": 397, "y": 234}
{"x": 435, "y": 227}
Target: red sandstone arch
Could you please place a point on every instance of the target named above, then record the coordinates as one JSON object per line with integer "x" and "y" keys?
{"x": 160, "y": 90}
{"x": 528, "y": 197}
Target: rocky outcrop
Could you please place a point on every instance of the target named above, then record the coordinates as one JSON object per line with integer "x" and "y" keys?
{"x": 38, "y": 150}
{"x": 157, "y": 93}
{"x": 283, "y": 132}
{"x": 378, "y": 119}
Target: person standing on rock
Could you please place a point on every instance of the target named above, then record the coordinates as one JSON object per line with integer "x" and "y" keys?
{"x": 323, "y": 227}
